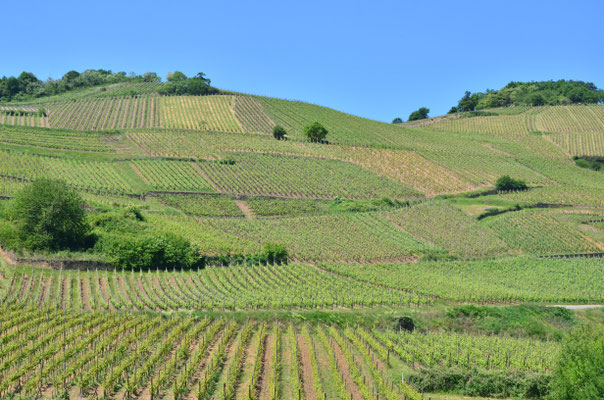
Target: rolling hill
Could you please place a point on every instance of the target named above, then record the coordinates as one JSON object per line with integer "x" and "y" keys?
{"x": 380, "y": 222}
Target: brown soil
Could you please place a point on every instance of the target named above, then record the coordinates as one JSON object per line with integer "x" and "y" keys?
{"x": 267, "y": 368}
{"x": 85, "y": 294}
{"x": 248, "y": 368}
{"x": 309, "y": 390}
{"x": 202, "y": 367}
{"x": 343, "y": 367}
{"x": 127, "y": 296}
{"x": 245, "y": 209}
{"x": 105, "y": 292}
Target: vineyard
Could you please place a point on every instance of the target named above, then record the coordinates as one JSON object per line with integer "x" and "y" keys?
{"x": 347, "y": 236}
{"x": 448, "y": 228}
{"x": 294, "y": 286}
{"x": 541, "y": 232}
{"x": 116, "y": 355}
{"x": 509, "y": 279}
{"x": 289, "y": 269}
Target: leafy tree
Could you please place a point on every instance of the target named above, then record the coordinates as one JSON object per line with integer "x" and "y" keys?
{"x": 397, "y": 120}
{"x": 176, "y": 76}
{"x": 506, "y": 183}
{"x": 422, "y": 113}
{"x": 453, "y": 110}
{"x": 50, "y": 215}
{"x": 279, "y": 132}
{"x": 579, "y": 373}
{"x": 71, "y": 76}
{"x": 275, "y": 253}
{"x": 151, "y": 77}
{"x": 315, "y": 132}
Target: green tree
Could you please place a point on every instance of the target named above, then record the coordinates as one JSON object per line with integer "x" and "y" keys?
{"x": 315, "y": 132}
{"x": 176, "y": 76}
{"x": 50, "y": 215}
{"x": 579, "y": 373}
{"x": 279, "y": 132}
{"x": 506, "y": 184}
{"x": 151, "y": 77}
{"x": 422, "y": 113}
{"x": 397, "y": 120}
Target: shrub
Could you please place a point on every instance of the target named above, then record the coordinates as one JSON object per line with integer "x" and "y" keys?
{"x": 275, "y": 253}
{"x": 50, "y": 215}
{"x": 580, "y": 370}
{"x": 397, "y": 120}
{"x": 315, "y": 132}
{"x": 279, "y": 132}
{"x": 505, "y": 183}
{"x": 422, "y": 113}
{"x": 159, "y": 251}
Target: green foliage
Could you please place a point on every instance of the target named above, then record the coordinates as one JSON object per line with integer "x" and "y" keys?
{"x": 506, "y": 184}
{"x": 315, "y": 132}
{"x": 541, "y": 93}
{"x": 179, "y": 84}
{"x": 275, "y": 253}
{"x": 580, "y": 370}
{"x": 595, "y": 163}
{"x": 49, "y": 215}
{"x": 494, "y": 383}
{"x": 151, "y": 251}
{"x": 279, "y": 132}
{"x": 397, "y": 120}
{"x": 27, "y": 86}
{"x": 422, "y": 113}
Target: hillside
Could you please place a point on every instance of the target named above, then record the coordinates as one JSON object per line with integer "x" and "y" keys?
{"x": 381, "y": 221}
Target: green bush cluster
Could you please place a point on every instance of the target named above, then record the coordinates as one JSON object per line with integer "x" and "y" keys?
{"x": 506, "y": 184}
{"x": 474, "y": 382}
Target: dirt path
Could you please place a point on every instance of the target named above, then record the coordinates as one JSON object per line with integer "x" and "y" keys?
{"x": 251, "y": 351}
{"x": 200, "y": 373}
{"x": 85, "y": 294}
{"x": 245, "y": 209}
{"x": 267, "y": 367}
{"x": 207, "y": 177}
{"x": 105, "y": 293}
{"x": 579, "y": 306}
{"x": 343, "y": 367}
{"x": 309, "y": 390}
{"x": 139, "y": 173}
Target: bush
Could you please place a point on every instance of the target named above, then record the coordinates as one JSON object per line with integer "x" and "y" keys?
{"x": 161, "y": 251}
{"x": 505, "y": 184}
{"x": 580, "y": 370}
{"x": 422, "y": 113}
{"x": 493, "y": 383}
{"x": 315, "y": 132}
{"x": 397, "y": 120}
{"x": 275, "y": 253}
{"x": 50, "y": 216}
{"x": 279, "y": 132}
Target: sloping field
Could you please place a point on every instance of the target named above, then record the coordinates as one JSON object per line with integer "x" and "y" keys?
{"x": 251, "y": 115}
{"x": 536, "y": 231}
{"x": 502, "y": 279}
{"x": 580, "y": 143}
{"x": 87, "y": 175}
{"x": 105, "y": 114}
{"x": 275, "y": 175}
{"x": 202, "y": 113}
{"x": 448, "y": 228}
{"x": 344, "y": 128}
{"x": 54, "y": 139}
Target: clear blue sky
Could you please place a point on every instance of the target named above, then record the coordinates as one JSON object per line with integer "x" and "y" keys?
{"x": 378, "y": 59}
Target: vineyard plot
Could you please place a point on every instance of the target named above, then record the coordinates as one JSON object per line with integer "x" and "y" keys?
{"x": 295, "y": 177}
{"x": 510, "y": 279}
{"x": 294, "y": 286}
{"x": 201, "y": 113}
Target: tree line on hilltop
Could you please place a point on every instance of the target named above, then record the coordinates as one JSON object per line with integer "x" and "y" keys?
{"x": 27, "y": 86}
